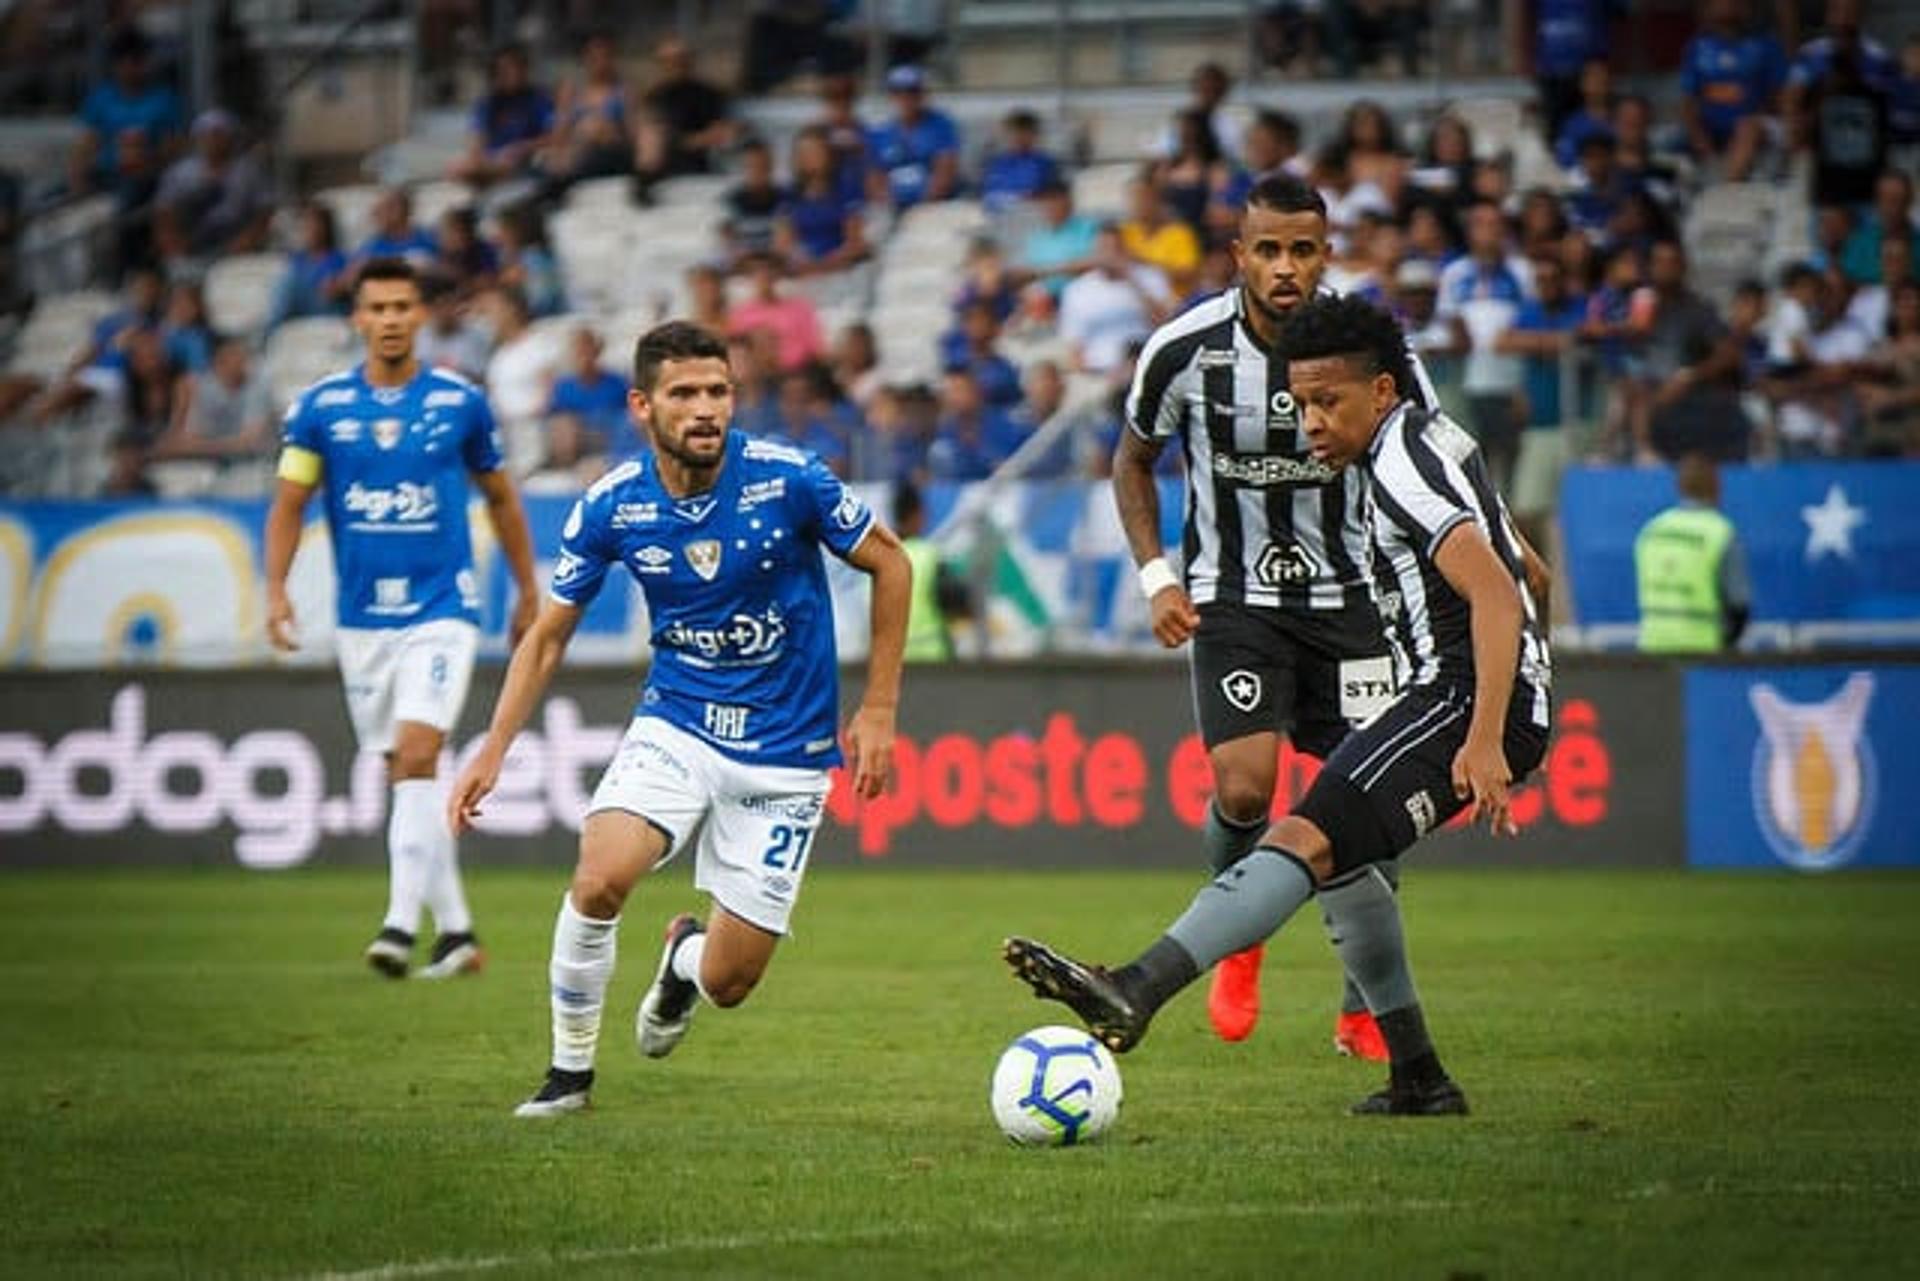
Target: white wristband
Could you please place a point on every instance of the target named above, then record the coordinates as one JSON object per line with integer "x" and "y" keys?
{"x": 1156, "y": 576}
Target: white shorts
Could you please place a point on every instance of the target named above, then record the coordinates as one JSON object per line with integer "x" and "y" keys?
{"x": 395, "y": 674}
{"x": 757, "y": 838}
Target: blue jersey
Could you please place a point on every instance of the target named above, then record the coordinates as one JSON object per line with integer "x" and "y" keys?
{"x": 394, "y": 464}
{"x": 737, "y": 598}
{"x": 1731, "y": 78}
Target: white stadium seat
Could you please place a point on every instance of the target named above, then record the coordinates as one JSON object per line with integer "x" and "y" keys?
{"x": 432, "y": 199}
{"x": 240, "y": 289}
{"x": 305, "y": 350}
{"x": 352, "y": 211}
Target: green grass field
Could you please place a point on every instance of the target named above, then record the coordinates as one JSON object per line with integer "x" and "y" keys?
{"x": 1673, "y": 1075}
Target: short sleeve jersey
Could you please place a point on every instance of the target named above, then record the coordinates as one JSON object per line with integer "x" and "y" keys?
{"x": 739, "y": 611}
{"x": 393, "y": 463}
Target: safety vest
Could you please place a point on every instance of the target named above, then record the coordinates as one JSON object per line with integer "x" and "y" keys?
{"x": 926, "y": 630}
{"x": 1676, "y": 560}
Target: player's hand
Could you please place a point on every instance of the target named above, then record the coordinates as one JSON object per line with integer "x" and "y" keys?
{"x": 1174, "y": 618}
{"x": 472, "y": 787}
{"x": 282, "y": 634}
{"x": 870, "y": 743}
{"x": 526, "y": 607}
{"x": 1480, "y": 774}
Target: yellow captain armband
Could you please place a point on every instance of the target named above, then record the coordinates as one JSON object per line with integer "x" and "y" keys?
{"x": 301, "y": 466}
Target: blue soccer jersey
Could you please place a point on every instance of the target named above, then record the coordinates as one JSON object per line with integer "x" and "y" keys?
{"x": 737, "y": 597}
{"x": 394, "y": 463}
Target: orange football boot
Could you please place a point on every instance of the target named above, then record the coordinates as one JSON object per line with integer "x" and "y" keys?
{"x": 1358, "y": 1036}
{"x": 1233, "y": 1001}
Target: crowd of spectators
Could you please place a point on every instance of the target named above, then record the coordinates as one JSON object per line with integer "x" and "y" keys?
{"x": 1561, "y": 321}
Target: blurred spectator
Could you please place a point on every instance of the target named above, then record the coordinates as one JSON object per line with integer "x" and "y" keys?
{"x": 593, "y": 117}
{"x": 1481, "y": 294}
{"x": 511, "y": 123}
{"x": 791, "y": 318}
{"x": 1832, "y": 225}
{"x": 1692, "y": 370}
{"x": 215, "y": 200}
{"x": 916, "y": 154}
{"x": 127, "y": 102}
{"x": 185, "y": 330}
{"x": 1545, "y": 334}
{"x": 803, "y": 417}
{"x": 315, "y": 282}
{"x": 1890, "y": 217}
{"x": 846, "y": 135}
{"x": 900, "y": 425}
{"x": 939, "y": 593}
{"x": 1793, "y": 318}
{"x": 707, "y": 298}
{"x": 1890, "y": 397}
{"x": 151, "y": 383}
{"x": 1836, "y": 101}
{"x": 1543, "y": 223}
{"x": 822, "y": 226}
{"x": 1043, "y": 395}
{"x": 1432, "y": 235}
{"x": 1841, "y": 44}
{"x": 1288, "y": 31}
{"x": 1154, "y": 236}
{"x": 587, "y": 411}
{"x": 987, "y": 280}
{"x": 1061, "y": 247}
{"x": 1218, "y": 271}
{"x": 225, "y": 412}
{"x": 971, "y": 347}
{"x": 1690, "y": 571}
{"x": 1414, "y": 301}
{"x": 1872, "y": 304}
{"x": 1208, "y": 89}
{"x": 1747, "y": 330}
{"x": 461, "y": 257}
{"x": 1598, "y": 189}
{"x": 527, "y": 262}
{"x": 1347, "y": 197}
{"x": 1567, "y": 35}
{"x": 394, "y": 234}
{"x": 856, "y": 364}
{"x": 1825, "y": 356}
{"x": 1115, "y": 302}
{"x": 1194, "y": 174}
{"x": 967, "y": 444}
{"x": 754, "y": 357}
{"x": 1372, "y": 142}
{"x": 1593, "y": 115}
{"x": 685, "y": 121}
{"x": 518, "y": 376}
{"x": 785, "y": 35}
{"x": 1270, "y": 145}
{"x": 753, "y": 204}
{"x": 1730, "y": 77}
{"x": 98, "y": 371}
{"x": 1904, "y": 104}
{"x": 1360, "y": 31}
{"x": 449, "y": 340}
{"x": 1650, "y": 169}
{"x": 1445, "y": 165}
{"x": 1019, "y": 168}
{"x": 913, "y": 29}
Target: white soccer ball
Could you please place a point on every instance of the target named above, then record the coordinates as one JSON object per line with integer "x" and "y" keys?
{"x": 1055, "y": 1087}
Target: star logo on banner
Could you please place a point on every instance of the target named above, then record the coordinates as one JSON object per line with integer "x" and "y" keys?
{"x": 1831, "y": 523}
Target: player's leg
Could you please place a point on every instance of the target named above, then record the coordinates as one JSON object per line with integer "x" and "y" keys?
{"x": 369, "y": 662}
{"x": 430, "y": 685}
{"x": 754, "y": 852}
{"x": 1242, "y": 694}
{"x": 649, "y": 799}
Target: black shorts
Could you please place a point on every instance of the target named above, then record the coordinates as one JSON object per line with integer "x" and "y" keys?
{"x": 1259, "y": 670}
{"x": 1391, "y": 781}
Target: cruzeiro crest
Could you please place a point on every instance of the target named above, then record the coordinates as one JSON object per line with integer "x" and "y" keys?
{"x": 387, "y": 432}
{"x": 704, "y": 556}
{"x": 1814, "y": 774}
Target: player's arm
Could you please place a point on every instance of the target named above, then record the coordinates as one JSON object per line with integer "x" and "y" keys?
{"x": 1539, "y": 576}
{"x": 530, "y": 669}
{"x": 299, "y": 474}
{"x": 510, "y": 527}
{"x": 1151, "y": 415}
{"x": 1467, "y": 561}
{"x": 870, "y": 733}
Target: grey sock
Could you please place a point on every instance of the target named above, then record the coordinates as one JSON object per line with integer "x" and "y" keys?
{"x": 1352, "y": 1000}
{"x": 1227, "y": 840}
{"x": 1242, "y": 905}
{"x": 1363, "y": 919}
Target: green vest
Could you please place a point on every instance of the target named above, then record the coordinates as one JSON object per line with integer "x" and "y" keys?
{"x": 1676, "y": 560}
{"x": 926, "y": 629}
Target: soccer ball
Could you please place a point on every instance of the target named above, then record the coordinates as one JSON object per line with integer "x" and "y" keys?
{"x": 1055, "y": 1087}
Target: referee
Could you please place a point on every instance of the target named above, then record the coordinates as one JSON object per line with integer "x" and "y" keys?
{"x": 1277, "y": 596}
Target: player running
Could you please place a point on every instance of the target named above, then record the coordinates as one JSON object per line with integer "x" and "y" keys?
{"x": 1473, "y": 718}
{"x": 394, "y": 445}
{"x": 735, "y": 729}
{"x": 1277, "y": 598}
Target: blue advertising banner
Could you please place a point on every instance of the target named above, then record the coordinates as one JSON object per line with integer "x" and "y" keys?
{"x": 1804, "y": 767}
{"x": 1834, "y": 548}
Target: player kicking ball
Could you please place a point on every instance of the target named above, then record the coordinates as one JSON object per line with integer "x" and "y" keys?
{"x": 394, "y": 445}
{"x": 735, "y": 729}
{"x": 1473, "y": 715}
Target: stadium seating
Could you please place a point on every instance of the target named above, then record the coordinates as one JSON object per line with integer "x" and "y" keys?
{"x": 239, "y": 291}
{"x": 303, "y": 350}
{"x": 57, "y": 331}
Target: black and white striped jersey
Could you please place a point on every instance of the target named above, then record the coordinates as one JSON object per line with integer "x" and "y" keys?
{"x": 1266, "y": 523}
{"x": 1422, "y": 476}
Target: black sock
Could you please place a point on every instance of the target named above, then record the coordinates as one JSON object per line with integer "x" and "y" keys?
{"x": 1152, "y": 978}
{"x": 1414, "y": 1061}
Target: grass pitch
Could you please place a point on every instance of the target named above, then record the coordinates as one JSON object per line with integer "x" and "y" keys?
{"x": 1672, "y": 1075}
